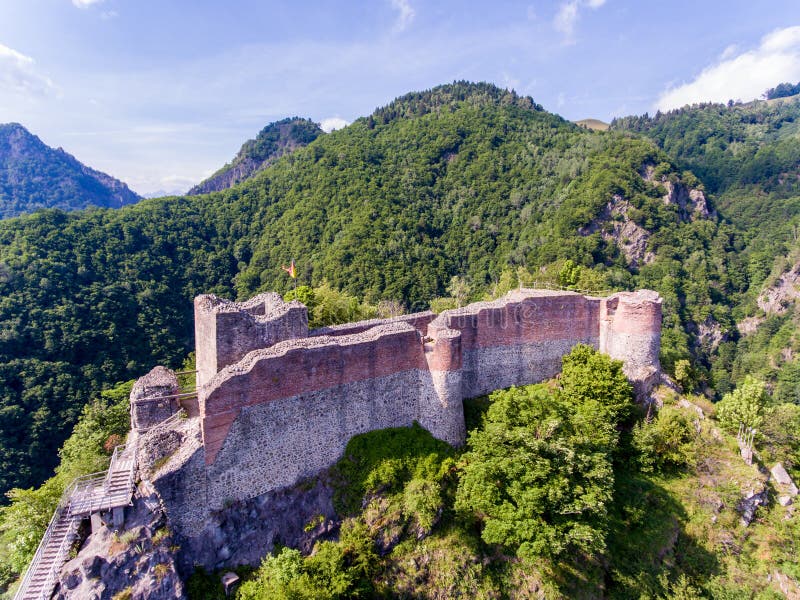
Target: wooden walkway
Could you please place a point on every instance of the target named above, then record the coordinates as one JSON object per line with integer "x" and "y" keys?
{"x": 84, "y": 496}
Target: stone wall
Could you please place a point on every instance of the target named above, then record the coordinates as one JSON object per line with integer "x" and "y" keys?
{"x": 226, "y": 331}
{"x": 520, "y": 338}
{"x": 154, "y": 398}
{"x": 285, "y": 410}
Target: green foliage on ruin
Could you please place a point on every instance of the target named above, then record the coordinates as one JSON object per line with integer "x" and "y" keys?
{"x": 548, "y": 499}
{"x": 538, "y": 475}
{"x": 328, "y": 306}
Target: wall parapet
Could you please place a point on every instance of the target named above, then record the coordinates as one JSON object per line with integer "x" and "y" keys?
{"x": 278, "y": 402}
{"x": 226, "y": 331}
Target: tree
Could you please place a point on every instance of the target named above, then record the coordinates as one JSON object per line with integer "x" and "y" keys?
{"x": 459, "y": 290}
{"x": 538, "y": 475}
{"x": 667, "y": 442}
{"x": 745, "y": 405}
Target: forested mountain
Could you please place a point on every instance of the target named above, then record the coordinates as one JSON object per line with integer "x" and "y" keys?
{"x": 465, "y": 190}
{"x": 34, "y": 176}
{"x": 465, "y": 180}
{"x": 748, "y": 156}
{"x": 272, "y": 142}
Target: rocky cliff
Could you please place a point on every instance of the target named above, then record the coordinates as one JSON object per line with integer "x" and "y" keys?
{"x": 275, "y": 140}
{"x": 34, "y": 176}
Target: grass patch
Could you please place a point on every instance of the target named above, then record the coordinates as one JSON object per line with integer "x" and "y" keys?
{"x": 383, "y": 462}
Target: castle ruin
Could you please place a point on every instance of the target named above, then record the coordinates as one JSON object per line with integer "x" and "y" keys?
{"x": 277, "y": 402}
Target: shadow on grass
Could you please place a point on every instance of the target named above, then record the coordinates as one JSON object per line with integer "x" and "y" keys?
{"x": 648, "y": 547}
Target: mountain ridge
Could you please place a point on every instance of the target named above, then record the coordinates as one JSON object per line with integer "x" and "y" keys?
{"x": 273, "y": 141}
{"x": 34, "y": 175}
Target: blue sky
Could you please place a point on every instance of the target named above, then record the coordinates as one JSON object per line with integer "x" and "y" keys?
{"x": 161, "y": 93}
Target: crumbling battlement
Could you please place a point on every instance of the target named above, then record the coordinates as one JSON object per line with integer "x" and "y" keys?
{"x": 228, "y": 330}
{"x": 154, "y": 398}
{"x": 278, "y": 403}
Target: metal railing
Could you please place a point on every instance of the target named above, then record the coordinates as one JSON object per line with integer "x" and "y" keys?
{"x": 62, "y": 510}
{"x": 84, "y": 495}
{"x": 546, "y": 285}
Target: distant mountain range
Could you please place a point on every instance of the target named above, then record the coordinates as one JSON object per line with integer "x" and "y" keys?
{"x": 275, "y": 140}
{"x": 34, "y": 175}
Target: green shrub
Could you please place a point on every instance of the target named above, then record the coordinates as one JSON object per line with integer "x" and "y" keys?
{"x": 667, "y": 442}
{"x": 538, "y": 473}
{"x": 335, "y": 570}
{"x": 745, "y": 405}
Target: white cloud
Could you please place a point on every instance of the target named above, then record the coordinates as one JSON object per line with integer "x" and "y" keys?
{"x": 85, "y": 3}
{"x": 728, "y": 52}
{"x": 568, "y": 14}
{"x": 744, "y": 76}
{"x": 18, "y": 74}
{"x": 405, "y": 14}
{"x": 565, "y": 18}
{"x": 332, "y": 123}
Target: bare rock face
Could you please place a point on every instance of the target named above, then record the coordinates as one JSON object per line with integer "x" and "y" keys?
{"x": 749, "y": 325}
{"x": 137, "y": 562}
{"x": 776, "y": 298}
{"x": 710, "y": 334}
{"x": 692, "y": 203}
{"x": 615, "y": 226}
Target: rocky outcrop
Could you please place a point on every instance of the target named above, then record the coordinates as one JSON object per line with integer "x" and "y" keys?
{"x": 709, "y": 334}
{"x": 615, "y": 226}
{"x": 749, "y": 504}
{"x": 749, "y": 325}
{"x": 137, "y": 562}
{"x": 692, "y": 203}
{"x": 274, "y": 141}
{"x": 776, "y": 298}
{"x": 784, "y": 485}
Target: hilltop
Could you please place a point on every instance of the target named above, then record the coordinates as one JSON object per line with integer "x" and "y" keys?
{"x": 35, "y": 176}
{"x": 595, "y": 124}
{"x": 272, "y": 142}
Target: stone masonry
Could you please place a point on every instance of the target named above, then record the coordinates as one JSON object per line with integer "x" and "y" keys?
{"x": 278, "y": 403}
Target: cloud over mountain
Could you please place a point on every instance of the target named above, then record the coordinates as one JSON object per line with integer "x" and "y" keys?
{"x": 742, "y": 76}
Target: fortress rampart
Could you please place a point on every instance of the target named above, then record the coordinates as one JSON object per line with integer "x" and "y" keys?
{"x": 278, "y": 403}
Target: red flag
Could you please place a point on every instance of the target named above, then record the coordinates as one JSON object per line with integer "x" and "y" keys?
{"x": 291, "y": 270}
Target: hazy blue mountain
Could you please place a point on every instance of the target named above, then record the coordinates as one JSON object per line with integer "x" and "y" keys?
{"x": 34, "y": 175}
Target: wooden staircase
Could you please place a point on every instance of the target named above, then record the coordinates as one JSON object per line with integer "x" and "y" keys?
{"x": 85, "y": 496}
